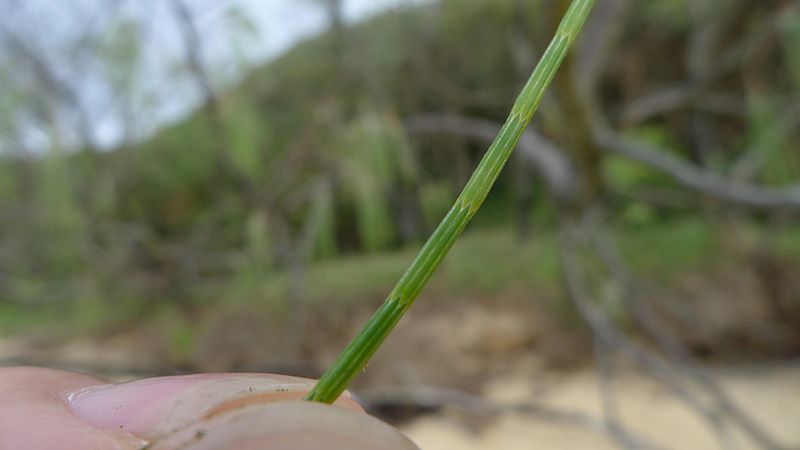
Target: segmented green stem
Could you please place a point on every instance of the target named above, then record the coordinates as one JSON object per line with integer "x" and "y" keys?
{"x": 356, "y": 355}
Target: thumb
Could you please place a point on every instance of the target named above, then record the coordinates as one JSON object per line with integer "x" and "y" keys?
{"x": 295, "y": 425}
{"x": 230, "y": 411}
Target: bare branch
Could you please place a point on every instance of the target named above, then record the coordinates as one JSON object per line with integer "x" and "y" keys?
{"x": 298, "y": 262}
{"x": 600, "y": 34}
{"x": 669, "y": 371}
{"x": 194, "y": 51}
{"x": 533, "y": 149}
{"x": 702, "y": 180}
{"x": 746, "y": 167}
{"x": 608, "y": 402}
{"x": 47, "y": 78}
{"x": 676, "y": 97}
{"x": 646, "y": 318}
{"x": 434, "y": 398}
{"x": 194, "y": 59}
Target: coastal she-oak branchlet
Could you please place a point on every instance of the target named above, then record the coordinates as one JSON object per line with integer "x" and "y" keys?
{"x": 357, "y": 353}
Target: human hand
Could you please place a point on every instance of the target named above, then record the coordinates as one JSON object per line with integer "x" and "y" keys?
{"x": 47, "y": 409}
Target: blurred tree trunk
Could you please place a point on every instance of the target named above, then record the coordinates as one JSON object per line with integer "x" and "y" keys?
{"x": 566, "y": 118}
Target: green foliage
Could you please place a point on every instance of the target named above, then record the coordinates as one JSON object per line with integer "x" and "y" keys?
{"x": 12, "y": 102}
{"x": 118, "y": 233}
{"x": 243, "y": 30}
{"x": 532, "y": 263}
{"x": 626, "y": 176}
{"x": 258, "y": 245}
{"x": 170, "y": 187}
{"x": 62, "y": 222}
{"x": 791, "y": 42}
{"x": 323, "y": 217}
{"x": 775, "y": 132}
{"x": 675, "y": 13}
{"x": 375, "y": 158}
{"x": 120, "y": 53}
{"x": 772, "y": 152}
{"x": 671, "y": 247}
{"x": 435, "y": 199}
{"x": 180, "y": 335}
{"x": 247, "y": 137}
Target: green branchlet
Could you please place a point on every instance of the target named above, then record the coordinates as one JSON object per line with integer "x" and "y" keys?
{"x": 356, "y": 355}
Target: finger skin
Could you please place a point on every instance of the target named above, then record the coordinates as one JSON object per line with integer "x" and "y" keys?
{"x": 295, "y": 425}
{"x": 154, "y": 407}
{"x": 46, "y": 409}
{"x": 34, "y": 413}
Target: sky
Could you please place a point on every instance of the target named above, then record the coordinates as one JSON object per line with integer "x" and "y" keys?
{"x": 163, "y": 94}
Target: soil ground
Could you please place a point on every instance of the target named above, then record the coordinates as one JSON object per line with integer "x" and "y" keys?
{"x": 505, "y": 353}
{"x": 770, "y": 395}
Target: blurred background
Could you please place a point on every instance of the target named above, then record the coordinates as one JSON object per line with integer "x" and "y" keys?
{"x": 235, "y": 185}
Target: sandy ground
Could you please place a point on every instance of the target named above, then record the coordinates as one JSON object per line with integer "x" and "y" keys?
{"x": 500, "y": 352}
{"x": 772, "y": 396}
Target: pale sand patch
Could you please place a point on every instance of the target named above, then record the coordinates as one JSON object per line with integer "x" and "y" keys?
{"x": 770, "y": 395}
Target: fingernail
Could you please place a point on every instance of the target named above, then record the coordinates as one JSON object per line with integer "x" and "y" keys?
{"x": 154, "y": 407}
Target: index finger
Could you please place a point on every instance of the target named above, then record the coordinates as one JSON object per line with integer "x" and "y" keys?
{"x": 34, "y": 413}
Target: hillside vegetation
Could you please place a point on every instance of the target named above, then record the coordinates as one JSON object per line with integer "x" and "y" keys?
{"x": 304, "y": 184}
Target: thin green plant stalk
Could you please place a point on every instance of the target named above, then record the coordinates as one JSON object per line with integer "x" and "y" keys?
{"x": 355, "y": 356}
